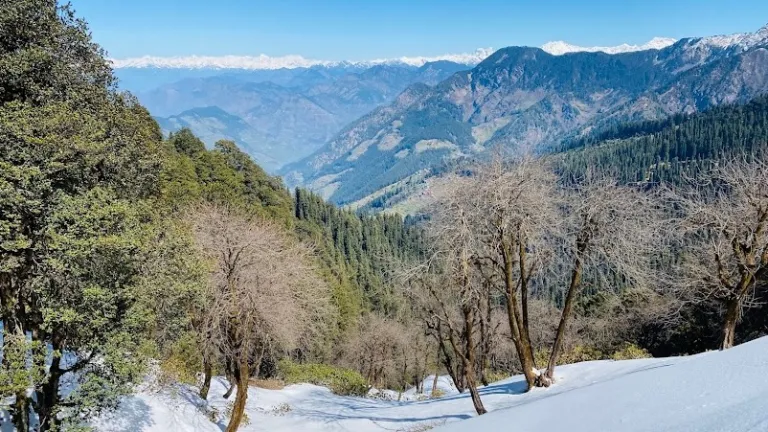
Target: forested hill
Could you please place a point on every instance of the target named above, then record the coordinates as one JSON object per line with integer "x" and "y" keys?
{"x": 357, "y": 252}
{"x": 363, "y": 250}
{"x": 664, "y": 150}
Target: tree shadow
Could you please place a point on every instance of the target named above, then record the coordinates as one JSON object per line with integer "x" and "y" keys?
{"x": 330, "y": 417}
{"x": 134, "y": 415}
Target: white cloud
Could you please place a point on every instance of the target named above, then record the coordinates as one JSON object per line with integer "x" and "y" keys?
{"x": 561, "y": 47}
{"x": 289, "y": 62}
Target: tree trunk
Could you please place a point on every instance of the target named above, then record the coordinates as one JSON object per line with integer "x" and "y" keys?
{"x": 485, "y": 340}
{"x": 207, "y": 372}
{"x": 46, "y": 410}
{"x": 238, "y": 409}
{"x": 47, "y": 399}
{"x": 453, "y": 371}
{"x": 48, "y": 395}
{"x": 232, "y": 378}
{"x": 549, "y": 376}
{"x": 470, "y": 361}
{"x": 434, "y": 382}
{"x": 232, "y": 387}
{"x": 520, "y": 334}
{"x": 20, "y": 412}
{"x": 733, "y": 307}
{"x": 476, "y": 401}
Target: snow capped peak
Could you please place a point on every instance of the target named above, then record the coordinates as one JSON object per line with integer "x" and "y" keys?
{"x": 562, "y": 47}
{"x": 288, "y": 62}
{"x": 221, "y": 62}
{"x": 741, "y": 40}
{"x": 465, "y": 58}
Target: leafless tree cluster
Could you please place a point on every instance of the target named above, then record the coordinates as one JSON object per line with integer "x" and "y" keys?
{"x": 509, "y": 234}
{"x": 264, "y": 294}
{"x": 724, "y": 249}
{"x": 389, "y": 353}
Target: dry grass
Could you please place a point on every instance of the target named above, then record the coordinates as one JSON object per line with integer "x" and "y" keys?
{"x": 423, "y": 427}
{"x": 269, "y": 384}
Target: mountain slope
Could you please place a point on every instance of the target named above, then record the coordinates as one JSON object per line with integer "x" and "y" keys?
{"x": 524, "y": 98}
{"x": 212, "y": 123}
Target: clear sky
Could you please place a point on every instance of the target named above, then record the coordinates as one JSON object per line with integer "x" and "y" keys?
{"x": 367, "y": 29}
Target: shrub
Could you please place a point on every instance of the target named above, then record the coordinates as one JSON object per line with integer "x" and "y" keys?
{"x": 281, "y": 410}
{"x": 181, "y": 363}
{"x": 630, "y": 351}
{"x": 212, "y": 413}
{"x": 436, "y": 394}
{"x": 579, "y": 353}
{"x": 494, "y": 376}
{"x": 341, "y": 381}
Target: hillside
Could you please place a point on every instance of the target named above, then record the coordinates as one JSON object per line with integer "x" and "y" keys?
{"x": 669, "y": 150}
{"x": 525, "y": 99}
{"x": 650, "y": 151}
{"x": 716, "y": 391}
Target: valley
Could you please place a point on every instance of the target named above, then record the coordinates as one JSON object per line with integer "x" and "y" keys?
{"x": 342, "y": 216}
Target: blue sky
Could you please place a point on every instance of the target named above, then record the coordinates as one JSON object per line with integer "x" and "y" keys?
{"x": 366, "y": 29}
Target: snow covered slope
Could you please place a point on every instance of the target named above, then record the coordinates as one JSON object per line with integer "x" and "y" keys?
{"x": 717, "y": 391}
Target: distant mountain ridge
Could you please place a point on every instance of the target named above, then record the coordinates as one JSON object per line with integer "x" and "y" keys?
{"x": 525, "y": 98}
{"x": 265, "y": 62}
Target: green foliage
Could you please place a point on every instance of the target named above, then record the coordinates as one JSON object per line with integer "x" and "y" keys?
{"x": 16, "y": 375}
{"x": 361, "y": 251}
{"x": 46, "y": 54}
{"x": 341, "y": 381}
{"x": 669, "y": 150}
{"x": 181, "y": 361}
{"x": 630, "y": 351}
{"x": 576, "y": 354}
{"x": 224, "y": 175}
{"x": 79, "y": 170}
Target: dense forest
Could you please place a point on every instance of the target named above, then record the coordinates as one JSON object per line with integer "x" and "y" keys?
{"x": 672, "y": 149}
{"x": 129, "y": 257}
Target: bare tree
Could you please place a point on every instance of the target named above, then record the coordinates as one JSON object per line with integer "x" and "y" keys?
{"x": 386, "y": 351}
{"x": 725, "y": 248}
{"x": 449, "y": 291}
{"x": 610, "y": 232}
{"x": 266, "y": 295}
{"x": 525, "y": 234}
{"x": 512, "y": 208}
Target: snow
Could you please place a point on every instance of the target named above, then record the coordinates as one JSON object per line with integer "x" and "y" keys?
{"x": 562, "y": 47}
{"x": 288, "y": 62}
{"x": 715, "y": 391}
{"x": 744, "y": 41}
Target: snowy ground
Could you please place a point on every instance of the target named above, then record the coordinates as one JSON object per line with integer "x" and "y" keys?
{"x": 717, "y": 391}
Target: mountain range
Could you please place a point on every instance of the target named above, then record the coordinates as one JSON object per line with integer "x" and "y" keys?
{"x": 277, "y": 115}
{"x": 526, "y": 99}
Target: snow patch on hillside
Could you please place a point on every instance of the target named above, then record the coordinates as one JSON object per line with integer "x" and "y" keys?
{"x": 715, "y": 391}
